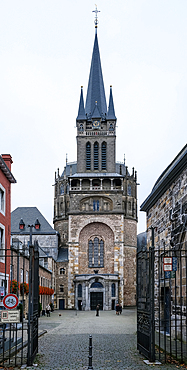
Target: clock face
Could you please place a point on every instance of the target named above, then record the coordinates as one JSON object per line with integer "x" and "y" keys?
{"x": 96, "y": 124}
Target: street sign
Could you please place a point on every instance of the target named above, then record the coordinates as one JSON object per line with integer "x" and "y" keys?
{"x": 167, "y": 264}
{"x": 167, "y": 274}
{"x": 10, "y": 316}
{"x": 10, "y": 301}
{"x": 174, "y": 263}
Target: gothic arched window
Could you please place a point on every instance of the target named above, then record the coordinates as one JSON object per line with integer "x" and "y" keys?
{"x": 96, "y": 156}
{"x": 113, "y": 290}
{"x": 129, "y": 190}
{"x": 79, "y": 290}
{"x": 96, "y": 252}
{"x": 88, "y": 156}
{"x": 103, "y": 156}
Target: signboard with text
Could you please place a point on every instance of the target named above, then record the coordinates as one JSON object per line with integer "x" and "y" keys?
{"x": 10, "y": 316}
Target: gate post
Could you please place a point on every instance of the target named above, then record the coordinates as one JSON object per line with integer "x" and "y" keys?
{"x": 152, "y": 303}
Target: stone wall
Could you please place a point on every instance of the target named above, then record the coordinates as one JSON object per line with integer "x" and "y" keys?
{"x": 166, "y": 213}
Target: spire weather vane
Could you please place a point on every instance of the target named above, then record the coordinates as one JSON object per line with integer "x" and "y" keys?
{"x": 96, "y": 19}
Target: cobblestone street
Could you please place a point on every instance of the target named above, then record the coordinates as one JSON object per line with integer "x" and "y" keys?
{"x": 65, "y": 346}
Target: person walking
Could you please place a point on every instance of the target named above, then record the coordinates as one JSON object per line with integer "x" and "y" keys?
{"x": 97, "y": 309}
{"x": 48, "y": 309}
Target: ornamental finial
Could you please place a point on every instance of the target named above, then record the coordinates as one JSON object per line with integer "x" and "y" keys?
{"x": 96, "y": 19}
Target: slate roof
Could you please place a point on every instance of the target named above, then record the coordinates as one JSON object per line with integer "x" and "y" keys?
{"x": 62, "y": 255}
{"x": 111, "y": 111}
{"x": 29, "y": 216}
{"x": 119, "y": 166}
{"x": 96, "y": 90}
{"x": 4, "y": 168}
{"x": 101, "y": 174}
{"x": 167, "y": 177}
{"x": 81, "y": 111}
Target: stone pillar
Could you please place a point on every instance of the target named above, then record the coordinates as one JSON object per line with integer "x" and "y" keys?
{"x": 101, "y": 186}
{"x": 112, "y": 184}
{"x": 90, "y": 184}
{"x": 121, "y": 184}
{"x": 80, "y": 184}
{"x": 69, "y": 184}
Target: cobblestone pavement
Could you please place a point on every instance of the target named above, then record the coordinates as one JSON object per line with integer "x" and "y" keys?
{"x": 65, "y": 346}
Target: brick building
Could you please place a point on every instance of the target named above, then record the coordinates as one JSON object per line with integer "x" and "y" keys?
{"x": 6, "y": 179}
{"x": 95, "y": 210}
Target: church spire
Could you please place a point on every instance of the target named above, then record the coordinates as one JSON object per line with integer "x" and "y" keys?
{"x": 81, "y": 111}
{"x": 96, "y": 90}
{"x": 111, "y": 111}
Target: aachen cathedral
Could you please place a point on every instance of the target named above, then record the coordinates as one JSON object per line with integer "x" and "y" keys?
{"x": 95, "y": 209}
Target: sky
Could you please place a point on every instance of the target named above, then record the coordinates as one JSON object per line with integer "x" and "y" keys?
{"x": 45, "y": 55}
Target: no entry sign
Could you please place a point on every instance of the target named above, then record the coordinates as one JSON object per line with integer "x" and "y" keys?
{"x": 10, "y": 301}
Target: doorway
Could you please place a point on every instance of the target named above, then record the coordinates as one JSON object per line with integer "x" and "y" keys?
{"x": 113, "y": 304}
{"x": 95, "y": 299}
{"x": 61, "y": 304}
{"x": 80, "y": 305}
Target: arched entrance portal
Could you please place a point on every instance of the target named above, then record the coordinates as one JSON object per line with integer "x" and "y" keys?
{"x": 96, "y": 296}
{"x": 94, "y": 289}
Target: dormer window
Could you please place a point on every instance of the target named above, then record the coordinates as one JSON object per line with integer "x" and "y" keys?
{"x": 37, "y": 224}
{"x": 21, "y": 225}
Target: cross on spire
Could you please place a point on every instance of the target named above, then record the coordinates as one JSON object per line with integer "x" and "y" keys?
{"x": 96, "y": 19}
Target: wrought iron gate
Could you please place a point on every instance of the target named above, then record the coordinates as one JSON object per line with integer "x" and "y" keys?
{"x": 162, "y": 302}
{"x": 33, "y": 303}
{"x": 19, "y": 341}
{"x": 145, "y": 303}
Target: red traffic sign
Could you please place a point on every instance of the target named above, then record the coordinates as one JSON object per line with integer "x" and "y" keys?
{"x": 10, "y": 301}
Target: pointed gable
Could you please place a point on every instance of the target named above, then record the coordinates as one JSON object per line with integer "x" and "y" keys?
{"x": 81, "y": 111}
{"x": 111, "y": 111}
{"x": 96, "y": 91}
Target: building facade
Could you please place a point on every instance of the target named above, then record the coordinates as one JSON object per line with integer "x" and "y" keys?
{"x": 166, "y": 211}
{"x": 95, "y": 209}
{"x": 6, "y": 179}
{"x": 46, "y": 238}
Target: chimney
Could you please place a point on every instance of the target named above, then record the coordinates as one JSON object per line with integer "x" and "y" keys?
{"x": 8, "y": 160}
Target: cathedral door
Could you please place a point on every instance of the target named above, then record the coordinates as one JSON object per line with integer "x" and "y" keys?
{"x": 95, "y": 299}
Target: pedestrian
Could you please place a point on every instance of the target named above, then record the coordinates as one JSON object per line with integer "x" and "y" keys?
{"x": 97, "y": 309}
{"x": 48, "y": 309}
{"x": 117, "y": 309}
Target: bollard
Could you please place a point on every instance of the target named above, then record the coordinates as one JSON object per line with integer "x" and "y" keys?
{"x": 90, "y": 353}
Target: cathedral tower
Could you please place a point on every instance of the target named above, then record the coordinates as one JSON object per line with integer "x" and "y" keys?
{"x": 95, "y": 209}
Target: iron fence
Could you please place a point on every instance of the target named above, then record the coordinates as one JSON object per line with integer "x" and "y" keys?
{"x": 19, "y": 341}
{"x": 162, "y": 302}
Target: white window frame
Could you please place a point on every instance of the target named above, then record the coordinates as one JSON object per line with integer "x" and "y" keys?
{"x": 27, "y": 277}
{"x": 2, "y": 259}
{"x": 2, "y": 210}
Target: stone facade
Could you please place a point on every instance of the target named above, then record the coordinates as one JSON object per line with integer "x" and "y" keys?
{"x": 166, "y": 210}
{"x": 95, "y": 210}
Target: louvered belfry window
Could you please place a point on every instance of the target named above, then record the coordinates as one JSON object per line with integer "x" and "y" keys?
{"x": 96, "y": 252}
{"x": 103, "y": 156}
{"x": 88, "y": 156}
{"x": 96, "y": 156}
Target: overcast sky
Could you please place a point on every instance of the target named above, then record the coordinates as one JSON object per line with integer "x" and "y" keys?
{"x": 45, "y": 55}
